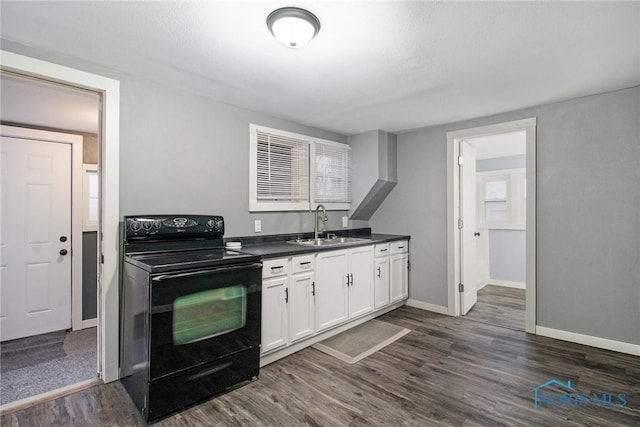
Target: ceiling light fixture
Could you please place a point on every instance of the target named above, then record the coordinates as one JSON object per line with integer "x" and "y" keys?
{"x": 292, "y": 26}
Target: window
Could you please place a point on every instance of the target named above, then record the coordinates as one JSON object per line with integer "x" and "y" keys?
{"x": 332, "y": 175}
{"x": 292, "y": 172}
{"x": 501, "y": 199}
{"x": 90, "y": 192}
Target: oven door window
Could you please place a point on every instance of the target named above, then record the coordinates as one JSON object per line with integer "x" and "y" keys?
{"x": 207, "y": 314}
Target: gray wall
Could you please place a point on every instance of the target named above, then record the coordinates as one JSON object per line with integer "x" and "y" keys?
{"x": 507, "y": 255}
{"x": 507, "y": 248}
{"x": 89, "y": 275}
{"x": 588, "y": 212}
{"x": 185, "y": 153}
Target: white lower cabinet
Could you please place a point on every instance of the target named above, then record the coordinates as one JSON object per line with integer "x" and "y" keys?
{"x": 301, "y": 306}
{"x": 332, "y": 304}
{"x": 275, "y": 322}
{"x": 381, "y": 282}
{"x": 344, "y": 285}
{"x": 304, "y": 296}
{"x": 399, "y": 266}
{"x": 361, "y": 275}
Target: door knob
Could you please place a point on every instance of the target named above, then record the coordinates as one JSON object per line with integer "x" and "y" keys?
{"x": 476, "y": 234}
{"x": 63, "y": 251}
{"x": 63, "y": 238}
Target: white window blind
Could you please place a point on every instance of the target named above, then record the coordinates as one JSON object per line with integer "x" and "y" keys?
{"x": 332, "y": 173}
{"x": 282, "y": 168}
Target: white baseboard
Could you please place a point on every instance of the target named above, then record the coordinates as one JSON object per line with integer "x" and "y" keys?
{"x": 427, "y": 306}
{"x": 607, "y": 344}
{"x": 89, "y": 323}
{"x": 507, "y": 284}
{"x": 482, "y": 285}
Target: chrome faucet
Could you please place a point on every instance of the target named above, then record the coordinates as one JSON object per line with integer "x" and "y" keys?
{"x": 323, "y": 217}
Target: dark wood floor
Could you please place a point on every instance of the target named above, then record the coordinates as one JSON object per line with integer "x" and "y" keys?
{"x": 447, "y": 371}
{"x": 500, "y": 306}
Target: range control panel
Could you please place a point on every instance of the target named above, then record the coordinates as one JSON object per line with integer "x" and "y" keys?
{"x": 165, "y": 226}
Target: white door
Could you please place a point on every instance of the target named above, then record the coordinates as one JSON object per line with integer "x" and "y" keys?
{"x": 469, "y": 274}
{"x": 301, "y": 303}
{"x": 274, "y": 313}
{"x": 332, "y": 305}
{"x": 381, "y": 282}
{"x": 361, "y": 278}
{"x": 35, "y": 284}
{"x": 399, "y": 276}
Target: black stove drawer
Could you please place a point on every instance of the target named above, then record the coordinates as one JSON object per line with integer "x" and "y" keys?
{"x": 177, "y": 391}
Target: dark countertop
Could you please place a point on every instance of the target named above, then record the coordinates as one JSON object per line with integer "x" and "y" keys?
{"x": 280, "y": 249}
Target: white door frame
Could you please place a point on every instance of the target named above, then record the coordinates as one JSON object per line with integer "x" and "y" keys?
{"x": 453, "y": 205}
{"x": 108, "y": 234}
{"x": 77, "y": 209}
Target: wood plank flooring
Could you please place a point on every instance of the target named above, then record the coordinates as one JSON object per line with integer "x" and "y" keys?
{"x": 446, "y": 372}
{"x": 500, "y": 306}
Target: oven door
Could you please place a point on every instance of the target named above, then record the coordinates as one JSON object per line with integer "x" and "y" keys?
{"x": 203, "y": 315}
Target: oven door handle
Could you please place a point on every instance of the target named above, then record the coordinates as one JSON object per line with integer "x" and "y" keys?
{"x": 205, "y": 272}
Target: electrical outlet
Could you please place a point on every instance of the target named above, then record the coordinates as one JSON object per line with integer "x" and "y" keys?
{"x": 345, "y": 221}
{"x": 257, "y": 226}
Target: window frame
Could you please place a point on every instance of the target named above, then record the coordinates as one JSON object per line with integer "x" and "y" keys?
{"x": 87, "y": 224}
{"x": 345, "y": 205}
{"x": 256, "y": 205}
{"x": 516, "y": 188}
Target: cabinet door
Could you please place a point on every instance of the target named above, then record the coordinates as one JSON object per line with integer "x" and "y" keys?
{"x": 274, "y": 313}
{"x": 331, "y": 289}
{"x": 381, "y": 282}
{"x": 399, "y": 277}
{"x": 361, "y": 289}
{"x": 301, "y": 303}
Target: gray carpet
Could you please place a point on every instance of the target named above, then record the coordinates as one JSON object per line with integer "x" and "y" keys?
{"x": 35, "y": 365}
{"x": 361, "y": 341}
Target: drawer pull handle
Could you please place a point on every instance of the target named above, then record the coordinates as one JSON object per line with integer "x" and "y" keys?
{"x": 384, "y": 250}
{"x": 279, "y": 268}
{"x": 305, "y": 263}
{"x": 400, "y": 247}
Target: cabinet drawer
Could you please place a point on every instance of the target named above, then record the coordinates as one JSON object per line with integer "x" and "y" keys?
{"x": 302, "y": 263}
{"x": 399, "y": 247}
{"x": 275, "y": 267}
{"x": 381, "y": 249}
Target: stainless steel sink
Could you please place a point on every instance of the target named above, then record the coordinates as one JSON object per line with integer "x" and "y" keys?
{"x": 328, "y": 242}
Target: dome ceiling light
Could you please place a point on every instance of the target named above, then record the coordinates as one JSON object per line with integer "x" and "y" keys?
{"x": 292, "y": 26}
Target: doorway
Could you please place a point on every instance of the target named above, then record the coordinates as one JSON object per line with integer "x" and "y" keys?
{"x": 491, "y": 223}
{"x": 49, "y": 293}
{"x": 108, "y": 225}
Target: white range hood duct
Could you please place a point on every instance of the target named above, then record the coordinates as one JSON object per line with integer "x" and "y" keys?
{"x": 375, "y": 171}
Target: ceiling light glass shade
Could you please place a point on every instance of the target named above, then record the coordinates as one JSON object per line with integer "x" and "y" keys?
{"x": 292, "y": 26}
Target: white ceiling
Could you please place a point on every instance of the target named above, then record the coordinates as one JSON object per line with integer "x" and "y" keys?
{"x": 374, "y": 65}
{"x": 501, "y": 145}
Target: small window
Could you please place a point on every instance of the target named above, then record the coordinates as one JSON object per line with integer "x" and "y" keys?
{"x": 292, "y": 172}
{"x": 91, "y": 189}
{"x": 501, "y": 199}
{"x": 332, "y": 175}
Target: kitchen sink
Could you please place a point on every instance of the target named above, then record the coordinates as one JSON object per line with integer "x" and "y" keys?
{"x": 328, "y": 242}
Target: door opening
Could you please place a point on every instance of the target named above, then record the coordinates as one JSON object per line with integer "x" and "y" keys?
{"x": 49, "y": 333}
{"x": 491, "y": 222}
